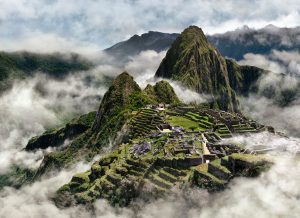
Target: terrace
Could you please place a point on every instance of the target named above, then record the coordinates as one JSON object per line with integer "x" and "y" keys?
{"x": 145, "y": 122}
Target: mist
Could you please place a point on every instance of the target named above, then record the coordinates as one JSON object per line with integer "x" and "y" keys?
{"x": 265, "y": 109}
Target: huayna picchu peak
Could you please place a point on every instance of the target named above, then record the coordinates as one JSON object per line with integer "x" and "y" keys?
{"x": 199, "y": 66}
{"x": 196, "y": 63}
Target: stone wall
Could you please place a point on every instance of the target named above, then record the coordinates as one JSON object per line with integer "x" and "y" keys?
{"x": 180, "y": 162}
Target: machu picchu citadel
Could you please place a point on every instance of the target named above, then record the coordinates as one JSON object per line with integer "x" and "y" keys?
{"x": 170, "y": 146}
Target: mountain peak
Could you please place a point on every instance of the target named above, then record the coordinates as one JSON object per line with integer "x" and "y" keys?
{"x": 193, "y": 29}
{"x": 196, "y": 63}
{"x": 116, "y": 97}
{"x": 194, "y": 35}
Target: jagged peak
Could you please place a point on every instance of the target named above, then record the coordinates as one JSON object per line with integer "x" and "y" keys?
{"x": 124, "y": 79}
{"x": 194, "y": 29}
{"x": 116, "y": 97}
{"x": 193, "y": 34}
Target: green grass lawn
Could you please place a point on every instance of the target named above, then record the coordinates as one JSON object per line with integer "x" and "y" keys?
{"x": 184, "y": 123}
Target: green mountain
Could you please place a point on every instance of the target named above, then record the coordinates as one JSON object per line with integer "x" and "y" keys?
{"x": 19, "y": 65}
{"x": 162, "y": 92}
{"x": 157, "y": 143}
{"x": 90, "y": 133}
{"x": 200, "y": 67}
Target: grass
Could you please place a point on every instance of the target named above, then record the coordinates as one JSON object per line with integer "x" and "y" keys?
{"x": 203, "y": 168}
{"x": 82, "y": 177}
{"x": 217, "y": 164}
{"x": 249, "y": 157}
{"x": 184, "y": 123}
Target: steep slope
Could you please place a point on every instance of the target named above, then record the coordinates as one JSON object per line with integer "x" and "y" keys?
{"x": 56, "y": 137}
{"x": 243, "y": 79}
{"x": 200, "y": 67}
{"x": 116, "y": 98}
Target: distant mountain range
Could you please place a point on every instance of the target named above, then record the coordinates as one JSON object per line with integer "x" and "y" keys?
{"x": 20, "y": 65}
{"x": 233, "y": 44}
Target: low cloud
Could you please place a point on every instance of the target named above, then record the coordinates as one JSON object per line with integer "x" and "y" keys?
{"x": 290, "y": 145}
{"x": 264, "y": 110}
{"x": 188, "y": 96}
{"x": 39, "y": 103}
{"x": 287, "y": 62}
{"x": 271, "y": 105}
{"x": 144, "y": 65}
{"x": 34, "y": 200}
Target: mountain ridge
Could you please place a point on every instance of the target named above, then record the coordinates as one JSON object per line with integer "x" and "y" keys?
{"x": 230, "y": 44}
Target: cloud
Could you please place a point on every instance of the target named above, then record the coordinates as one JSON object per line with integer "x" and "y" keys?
{"x": 266, "y": 139}
{"x": 35, "y": 200}
{"x": 40, "y": 42}
{"x": 284, "y": 119}
{"x": 278, "y": 85}
{"x": 39, "y": 103}
{"x": 287, "y": 62}
{"x": 144, "y": 64}
{"x": 187, "y": 95}
{"x": 86, "y": 22}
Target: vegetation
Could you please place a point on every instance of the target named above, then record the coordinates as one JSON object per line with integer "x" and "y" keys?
{"x": 184, "y": 123}
{"x": 19, "y": 65}
{"x": 56, "y": 137}
{"x": 193, "y": 61}
{"x": 16, "y": 177}
{"x": 144, "y": 160}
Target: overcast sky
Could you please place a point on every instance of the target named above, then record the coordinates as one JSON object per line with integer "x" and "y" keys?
{"x": 96, "y": 24}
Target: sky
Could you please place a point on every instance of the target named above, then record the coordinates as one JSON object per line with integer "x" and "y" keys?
{"x": 81, "y": 25}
